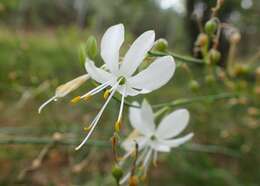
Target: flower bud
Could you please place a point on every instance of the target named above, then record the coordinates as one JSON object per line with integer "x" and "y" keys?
{"x": 82, "y": 54}
{"x": 117, "y": 173}
{"x": 202, "y": 40}
{"x": 214, "y": 56}
{"x": 209, "y": 79}
{"x": 235, "y": 37}
{"x": 91, "y": 47}
{"x": 241, "y": 70}
{"x": 194, "y": 85}
{"x": 211, "y": 27}
{"x": 161, "y": 45}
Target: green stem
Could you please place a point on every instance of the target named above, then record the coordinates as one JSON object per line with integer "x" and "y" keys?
{"x": 211, "y": 149}
{"x": 98, "y": 143}
{"x": 176, "y": 56}
{"x": 185, "y": 101}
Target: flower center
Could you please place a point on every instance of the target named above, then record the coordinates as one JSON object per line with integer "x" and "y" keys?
{"x": 153, "y": 137}
{"x": 121, "y": 80}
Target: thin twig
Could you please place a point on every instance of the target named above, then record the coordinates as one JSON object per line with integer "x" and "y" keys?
{"x": 177, "y": 56}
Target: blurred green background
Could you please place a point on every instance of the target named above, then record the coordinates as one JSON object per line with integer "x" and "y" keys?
{"x": 39, "y": 42}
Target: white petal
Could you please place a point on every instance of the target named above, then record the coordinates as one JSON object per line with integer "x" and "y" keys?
{"x": 147, "y": 117}
{"x": 129, "y": 91}
{"x": 129, "y": 144}
{"x": 161, "y": 147}
{"x": 96, "y": 73}
{"x": 110, "y": 46}
{"x": 137, "y": 52}
{"x": 141, "y": 119}
{"x": 173, "y": 124}
{"x": 154, "y": 76}
{"x": 178, "y": 141}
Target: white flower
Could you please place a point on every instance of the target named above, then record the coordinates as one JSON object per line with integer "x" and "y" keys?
{"x": 152, "y": 139}
{"x": 65, "y": 89}
{"x": 119, "y": 75}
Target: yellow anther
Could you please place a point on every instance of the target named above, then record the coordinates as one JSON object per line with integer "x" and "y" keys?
{"x": 87, "y": 128}
{"x": 118, "y": 125}
{"x": 106, "y": 94}
{"x": 75, "y": 100}
{"x": 87, "y": 97}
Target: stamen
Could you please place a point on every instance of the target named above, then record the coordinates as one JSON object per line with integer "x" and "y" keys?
{"x": 146, "y": 161}
{"x": 106, "y": 94}
{"x": 139, "y": 160}
{"x": 97, "y": 89}
{"x": 118, "y": 125}
{"x": 87, "y": 128}
{"x": 125, "y": 178}
{"x": 155, "y": 155}
{"x": 95, "y": 121}
{"x": 87, "y": 97}
{"x": 75, "y": 100}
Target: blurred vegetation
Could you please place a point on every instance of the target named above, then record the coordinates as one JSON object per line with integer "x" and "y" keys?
{"x": 39, "y": 43}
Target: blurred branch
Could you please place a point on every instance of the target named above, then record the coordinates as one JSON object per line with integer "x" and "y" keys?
{"x": 37, "y": 162}
{"x": 48, "y": 140}
{"x": 211, "y": 149}
{"x": 98, "y": 143}
{"x": 176, "y": 56}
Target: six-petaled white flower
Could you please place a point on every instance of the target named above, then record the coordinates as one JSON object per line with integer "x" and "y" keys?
{"x": 152, "y": 139}
{"x": 120, "y": 75}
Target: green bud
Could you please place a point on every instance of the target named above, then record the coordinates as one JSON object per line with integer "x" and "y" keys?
{"x": 209, "y": 79}
{"x": 194, "y": 85}
{"x": 161, "y": 45}
{"x": 117, "y": 173}
{"x": 241, "y": 70}
{"x": 91, "y": 47}
{"x": 82, "y": 54}
{"x": 214, "y": 56}
{"x": 211, "y": 27}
